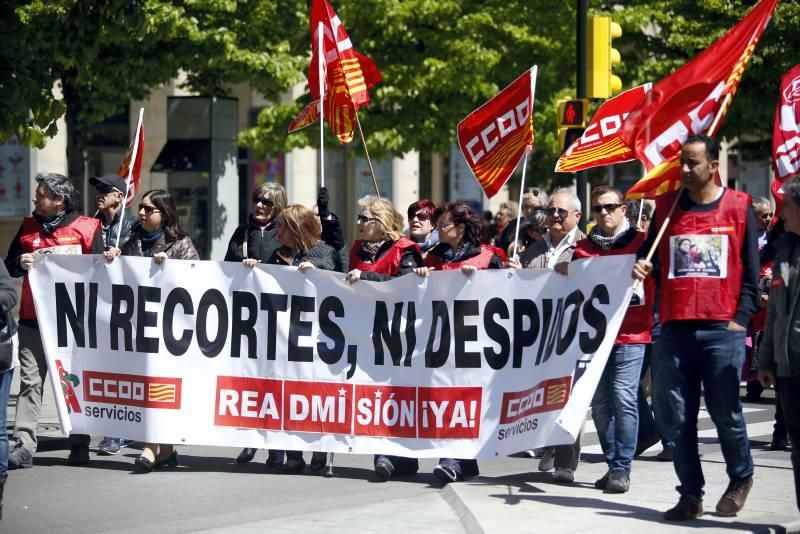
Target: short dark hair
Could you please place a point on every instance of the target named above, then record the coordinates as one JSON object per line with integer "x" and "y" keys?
{"x": 423, "y": 205}
{"x": 165, "y": 203}
{"x": 791, "y": 191}
{"x": 461, "y": 213}
{"x": 603, "y": 189}
{"x": 712, "y": 146}
{"x": 58, "y": 185}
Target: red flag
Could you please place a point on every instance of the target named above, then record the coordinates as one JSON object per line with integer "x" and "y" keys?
{"x": 494, "y": 137}
{"x": 601, "y": 143}
{"x": 134, "y": 153}
{"x": 349, "y": 75}
{"x": 307, "y": 116}
{"x": 786, "y": 135}
{"x": 691, "y": 100}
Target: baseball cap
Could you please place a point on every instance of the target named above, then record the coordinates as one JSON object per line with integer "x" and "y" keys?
{"x": 110, "y": 180}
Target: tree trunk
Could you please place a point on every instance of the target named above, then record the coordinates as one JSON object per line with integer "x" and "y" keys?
{"x": 75, "y": 133}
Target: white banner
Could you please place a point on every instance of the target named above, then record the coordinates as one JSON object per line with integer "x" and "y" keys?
{"x": 214, "y": 353}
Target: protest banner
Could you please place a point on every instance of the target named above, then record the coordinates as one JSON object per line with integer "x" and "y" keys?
{"x": 215, "y": 353}
{"x": 786, "y": 134}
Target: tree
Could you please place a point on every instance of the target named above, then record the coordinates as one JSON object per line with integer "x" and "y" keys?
{"x": 104, "y": 53}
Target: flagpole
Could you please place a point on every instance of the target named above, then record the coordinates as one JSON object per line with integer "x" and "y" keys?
{"x": 321, "y": 68}
{"x": 528, "y": 150}
{"x": 366, "y": 151}
{"x": 131, "y": 165}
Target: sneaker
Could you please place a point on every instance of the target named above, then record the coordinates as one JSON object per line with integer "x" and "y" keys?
{"x": 602, "y": 482}
{"x": 109, "y": 446}
{"x": 619, "y": 481}
{"x": 384, "y": 468}
{"x": 563, "y": 474}
{"x": 548, "y": 459}
{"x": 20, "y": 458}
{"x": 275, "y": 458}
{"x": 246, "y": 455}
{"x": 734, "y": 497}
{"x": 665, "y": 455}
{"x": 446, "y": 474}
{"x": 688, "y": 507}
{"x": 644, "y": 444}
{"x": 78, "y": 455}
{"x": 778, "y": 443}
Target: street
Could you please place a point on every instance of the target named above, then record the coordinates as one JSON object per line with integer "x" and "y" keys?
{"x": 210, "y": 492}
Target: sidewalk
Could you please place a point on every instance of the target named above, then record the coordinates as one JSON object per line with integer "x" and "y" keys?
{"x": 531, "y": 502}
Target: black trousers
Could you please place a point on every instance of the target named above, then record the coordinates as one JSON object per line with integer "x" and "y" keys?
{"x": 789, "y": 393}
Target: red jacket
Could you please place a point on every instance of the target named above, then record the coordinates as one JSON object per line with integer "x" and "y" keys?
{"x": 389, "y": 263}
{"x": 638, "y": 319}
{"x": 73, "y": 238}
{"x": 480, "y": 260}
{"x": 707, "y": 290}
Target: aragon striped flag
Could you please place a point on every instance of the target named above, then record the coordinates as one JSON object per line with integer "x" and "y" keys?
{"x": 600, "y": 143}
{"x": 691, "y": 100}
{"x": 348, "y": 75}
{"x": 496, "y": 136}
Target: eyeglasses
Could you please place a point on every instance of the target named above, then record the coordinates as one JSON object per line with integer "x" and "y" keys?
{"x": 553, "y": 212}
{"x": 444, "y": 226}
{"x": 538, "y": 229}
{"x": 363, "y": 219}
{"x": 148, "y": 209}
{"x": 608, "y": 207}
{"x": 421, "y": 216}
{"x": 104, "y": 190}
{"x": 765, "y": 215}
{"x": 266, "y": 202}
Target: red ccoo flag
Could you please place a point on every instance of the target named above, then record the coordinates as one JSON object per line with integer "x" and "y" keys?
{"x": 134, "y": 154}
{"x": 494, "y": 137}
{"x": 349, "y": 75}
{"x": 691, "y": 100}
{"x": 786, "y": 135}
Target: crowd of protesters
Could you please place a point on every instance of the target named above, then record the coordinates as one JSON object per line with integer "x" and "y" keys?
{"x": 693, "y": 326}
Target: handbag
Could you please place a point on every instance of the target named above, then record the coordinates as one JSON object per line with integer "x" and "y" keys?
{"x": 7, "y": 333}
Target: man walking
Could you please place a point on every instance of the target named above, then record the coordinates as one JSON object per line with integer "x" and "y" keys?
{"x": 615, "y": 404}
{"x": 704, "y": 314}
{"x": 55, "y": 228}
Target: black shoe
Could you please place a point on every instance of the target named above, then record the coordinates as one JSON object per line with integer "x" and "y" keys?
{"x": 78, "y": 455}
{"x": 384, "y": 468}
{"x": 246, "y": 455}
{"x": 602, "y": 482}
{"x": 318, "y": 461}
{"x": 619, "y": 481}
{"x": 293, "y": 467}
{"x": 143, "y": 465}
{"x": 447, "y": 474}
{"x": 275, "y": 459}
{"x": 688, "y": 507}
{"x": 779, "y": 443}
{"x": 20, "y": 458}
{"x": 170, "y": 461}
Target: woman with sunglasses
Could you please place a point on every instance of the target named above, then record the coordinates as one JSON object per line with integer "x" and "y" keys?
{"x": 299, "y": 233}
{"x": 381, "y": 253}
{"x": 254, "y": 242}
{"x": 157, "y": 235}
{"x": 421, "y": 226}
{"x": 459, "y": 248}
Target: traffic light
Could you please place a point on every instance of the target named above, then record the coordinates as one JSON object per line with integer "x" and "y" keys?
{"x": 571, "y": 120}
{"x": 601, "y": 57}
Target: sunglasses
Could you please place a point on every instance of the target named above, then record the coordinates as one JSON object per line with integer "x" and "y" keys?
{"x": 552, "y": 212}
{"x": 363, "y": 219}
{"x": 598, "y": 209}
{"x": 421, "y": 215}
{"x": 148, "y": 209}
{"x": 267, "y": 203}
{"x": 766, "y": 215}
{"x": 538, "y": 229}
{"x": 104, "y": 189}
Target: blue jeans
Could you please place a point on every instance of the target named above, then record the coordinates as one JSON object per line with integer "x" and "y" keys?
{"x": 615, "y": 408}
{"x": 687, "y": 355}
{"x": 5, "y": 389}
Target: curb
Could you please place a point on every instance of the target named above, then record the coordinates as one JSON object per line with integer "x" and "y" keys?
{"x": 468, "y": 519}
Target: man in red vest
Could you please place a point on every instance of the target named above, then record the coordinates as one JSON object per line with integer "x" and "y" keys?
{"x": 704, "y": 310}
{"x": 54, "y": 228}
{"x": 615, "y": 403}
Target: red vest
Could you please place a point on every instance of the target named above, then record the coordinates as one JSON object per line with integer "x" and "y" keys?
{"x": 389, "y": 263}
{"x": 481, "y": 260}
{"x": 638, "y": 319}
{"x": 760, "y": 317}
{"x": 75, "y": 238}
{"x": 703, "y": 282}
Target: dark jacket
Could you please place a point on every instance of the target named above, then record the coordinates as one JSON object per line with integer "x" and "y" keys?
{"x": 410, "y": 259}
{"x": 8, "y": 326}
{"x": 110, "y": 232}
{"x": 445, "y": 254}
{"x": 182, "y": 249}
{"x": 333, "y": 236}
{"x": 261, "y": 244}
{"x": 323, "y": 256}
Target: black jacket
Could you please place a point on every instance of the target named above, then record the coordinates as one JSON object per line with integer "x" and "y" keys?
{"x": 261, "y": 244}
{"x": 323, "y": 256}
{"x": 110, "y": 232}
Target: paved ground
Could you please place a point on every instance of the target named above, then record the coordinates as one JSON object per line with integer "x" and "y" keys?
{"x": 210, "y": 493}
